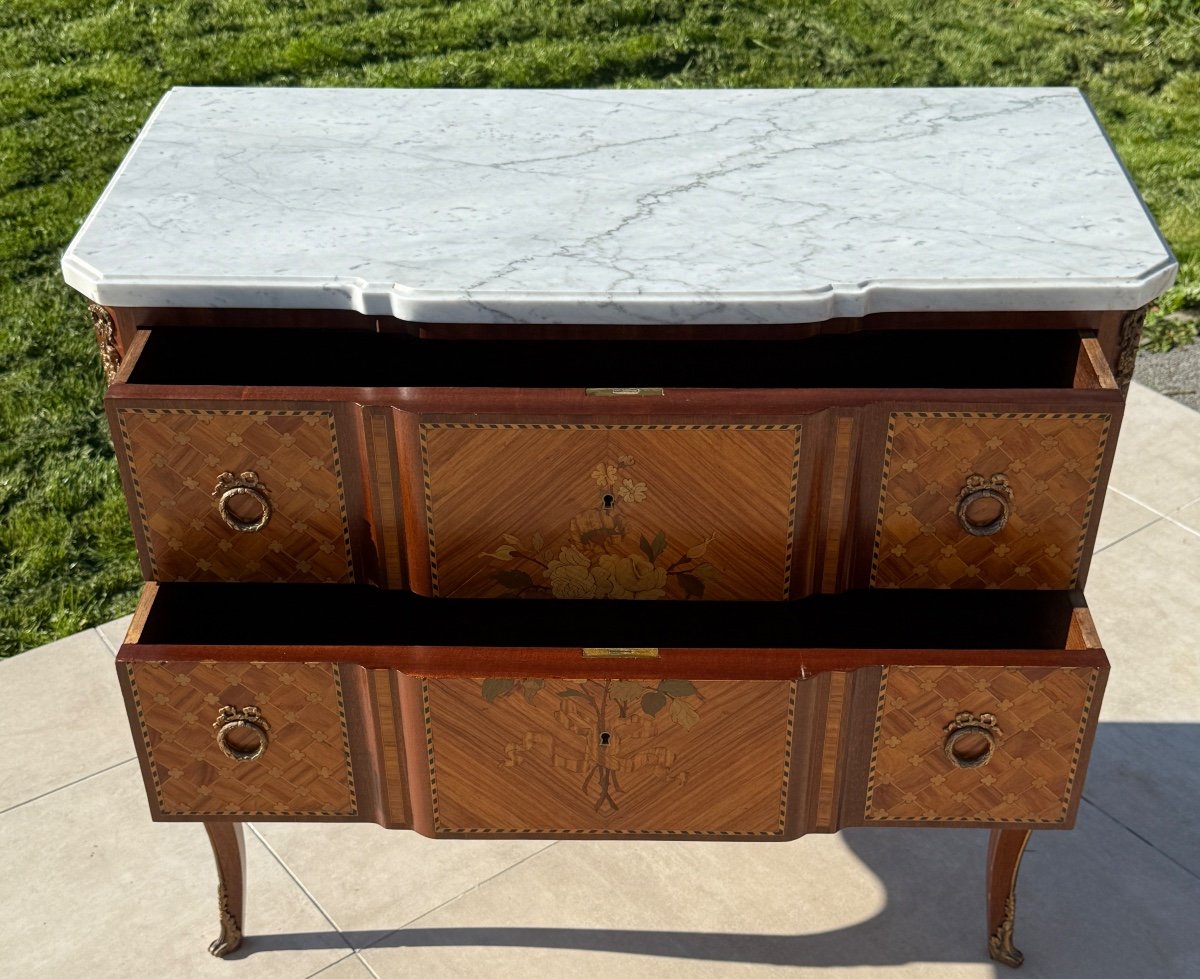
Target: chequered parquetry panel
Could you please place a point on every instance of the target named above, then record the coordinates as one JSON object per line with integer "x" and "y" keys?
{"x": 1042, "y": 713}
{"x": 175, "y": 457}
{"x": 305, "y": 769}
{"x": 1052, "y": 462}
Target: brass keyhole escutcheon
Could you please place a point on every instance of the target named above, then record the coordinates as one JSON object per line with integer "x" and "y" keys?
{"x": 984, "y": 505}
{"x": 242, "y": 733}
{"x": 242, "y": 502}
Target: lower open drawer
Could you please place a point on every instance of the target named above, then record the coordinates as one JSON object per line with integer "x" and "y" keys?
{"x": 747, "y": 721}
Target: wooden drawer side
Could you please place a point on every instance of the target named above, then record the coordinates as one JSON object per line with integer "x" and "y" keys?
{"x": 1043, "y": 715}
{"x": 305, "y": 769}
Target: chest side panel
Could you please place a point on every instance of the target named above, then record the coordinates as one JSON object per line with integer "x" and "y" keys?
{"x": 1051, "y": 465}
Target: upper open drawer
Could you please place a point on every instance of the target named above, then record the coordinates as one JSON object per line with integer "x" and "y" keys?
{"x": 866, "y": 363}
{"x": 804, "y": 466}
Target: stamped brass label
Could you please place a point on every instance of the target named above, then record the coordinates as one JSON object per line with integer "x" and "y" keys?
{"x": 623, "y": 392}
{"x": 621, "y": 652}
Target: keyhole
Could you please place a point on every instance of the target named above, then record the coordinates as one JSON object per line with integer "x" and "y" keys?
{"x": 604, "y": 736}
{"x": 608, "y": 501}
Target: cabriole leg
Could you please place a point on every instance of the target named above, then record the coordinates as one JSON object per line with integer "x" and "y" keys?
{"x": 229, "y": 850}
{"x": 1005, "y": 847}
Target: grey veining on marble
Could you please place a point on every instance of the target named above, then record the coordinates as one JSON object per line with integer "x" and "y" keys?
{"x": 611, "y": 206}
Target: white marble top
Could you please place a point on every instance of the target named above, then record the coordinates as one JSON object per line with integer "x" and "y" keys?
{"x": 613, "y": 206}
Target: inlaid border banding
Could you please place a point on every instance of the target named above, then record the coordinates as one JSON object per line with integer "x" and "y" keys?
{"x": 438, "y": 826}
{"x": 153, "y": 767}
{"x": 127, "y": 444}
{"x": 793, "y": 494}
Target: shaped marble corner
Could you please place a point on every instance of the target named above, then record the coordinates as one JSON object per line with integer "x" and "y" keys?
{"x": 697, "y": 206}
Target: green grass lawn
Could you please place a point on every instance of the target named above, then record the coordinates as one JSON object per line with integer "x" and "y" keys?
{"x": 79, "y": 77}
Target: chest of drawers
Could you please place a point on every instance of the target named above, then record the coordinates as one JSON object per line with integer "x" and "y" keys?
{"x": 870, "y": 352}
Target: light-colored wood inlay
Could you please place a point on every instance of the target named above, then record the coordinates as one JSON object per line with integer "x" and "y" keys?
{"x": 305, "y": 769}
{"x": 838, "y": 485}
{"x": 175, "y": 456}
{"x": 831, "y": 752}
{"x": 584, "y": 756}
{"x": 1042, "y": 713}
{"x": 1052, "y": 463}
{"x": 713, "y": 504}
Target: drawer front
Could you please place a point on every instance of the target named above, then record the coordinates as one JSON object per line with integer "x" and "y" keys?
{"x": 1035, "y": 722}
{"x": 935, "y": 463}
{"x": 296, "y": 715}
{"x": 175, "y": 459}
{"x": 514, "y": 756}
{"x": 610, "y": 511}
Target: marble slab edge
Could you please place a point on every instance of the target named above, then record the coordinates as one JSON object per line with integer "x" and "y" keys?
{"x": 809, "y": 306}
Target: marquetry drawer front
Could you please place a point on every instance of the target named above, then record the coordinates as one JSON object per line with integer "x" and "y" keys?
{"x": 709, "y": 757}
{"x": 967, "y": 744}
{"x": 244, "y": 739}
{"x": 976, "y": 500}
{"x": 278, "y": 514}
{"x": 611, "y": 511}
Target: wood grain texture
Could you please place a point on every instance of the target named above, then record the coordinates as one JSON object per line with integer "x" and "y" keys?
{"x": 174, "y": 456}
{"x": 391, "y": 748}
{"x": 1053, "y": 463}
{"x": 228, "y": 844}
{"x": 837, "y": 493}
{"x": 1044, "y": 716}
{"x": 305, "y": 770}
{"x": 1005, "y": 849}
{"x": 383, "y": 482}
{"x": 563, "y": 510}
{"x": 534, "y": 758}
{"x": 832, "y": 750}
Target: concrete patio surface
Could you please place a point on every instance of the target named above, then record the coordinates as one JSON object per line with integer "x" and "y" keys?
{"x": 90, "y": 887}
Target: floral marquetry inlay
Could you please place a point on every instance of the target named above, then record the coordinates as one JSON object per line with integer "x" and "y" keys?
{"x": 636, "y": 512}
{"x": 605, "y": 554}
{"x": 670, "y": 756}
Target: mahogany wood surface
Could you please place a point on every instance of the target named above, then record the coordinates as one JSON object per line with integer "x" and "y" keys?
{"x": 229, "y": 852}
{"x": 1005, "y": 848}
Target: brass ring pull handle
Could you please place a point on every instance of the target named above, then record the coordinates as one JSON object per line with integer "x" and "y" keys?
{"x": 963, "y": 735}
{"x": 247, "y": 484}
{"x": 992, "y": 496}
{"x": 241, "y": 733}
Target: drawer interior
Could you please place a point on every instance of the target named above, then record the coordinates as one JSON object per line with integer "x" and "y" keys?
{"x": 350, "y": 615}
{"x": 998, "y": 359}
